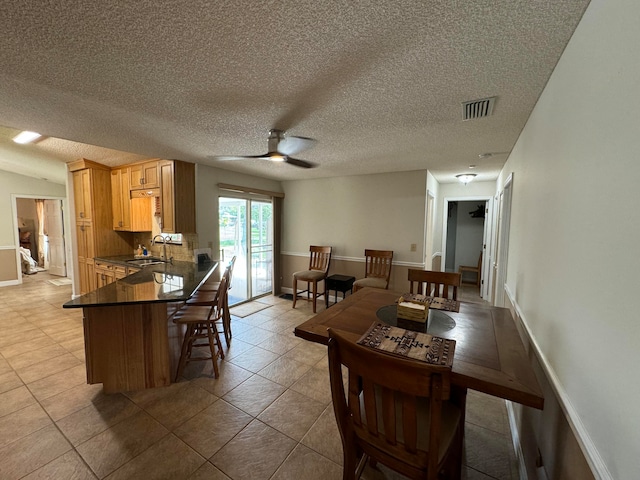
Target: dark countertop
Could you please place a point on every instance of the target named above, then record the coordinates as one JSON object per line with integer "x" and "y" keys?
{"x": 164, "y": 282}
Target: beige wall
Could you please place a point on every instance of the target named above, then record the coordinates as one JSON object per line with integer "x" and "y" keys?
{"x": 573, "y": 251}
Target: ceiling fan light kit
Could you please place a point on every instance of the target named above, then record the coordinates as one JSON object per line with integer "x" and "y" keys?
{"x": 280, "y": 148}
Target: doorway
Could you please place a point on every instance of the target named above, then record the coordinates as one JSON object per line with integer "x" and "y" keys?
{"x": 466, "y": 232}
{"x": 246, "y": 232}
{"x": 40, "y": 234}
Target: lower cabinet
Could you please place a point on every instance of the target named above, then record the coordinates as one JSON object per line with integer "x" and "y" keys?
{"x": 106, "y": 273}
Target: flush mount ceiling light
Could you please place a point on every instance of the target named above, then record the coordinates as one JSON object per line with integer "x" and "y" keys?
{"x": 26, "y": 137}
{"x": 466, "y": 177}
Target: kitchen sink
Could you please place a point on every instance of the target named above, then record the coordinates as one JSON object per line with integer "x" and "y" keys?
{"x": 143, "y": 262}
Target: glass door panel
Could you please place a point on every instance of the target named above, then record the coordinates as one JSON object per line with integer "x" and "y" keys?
{"x": 250, "y": 239}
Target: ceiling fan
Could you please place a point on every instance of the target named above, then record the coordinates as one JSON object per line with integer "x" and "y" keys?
{"x": 280, "y": 149}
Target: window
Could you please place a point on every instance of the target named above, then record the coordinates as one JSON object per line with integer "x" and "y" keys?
{"x": 173, "y": 238}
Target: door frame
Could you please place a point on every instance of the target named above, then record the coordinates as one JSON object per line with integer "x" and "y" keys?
{"x": 249, "y": 198}
{"x": 65, "y": 225}
{"x": 486, "y": 234}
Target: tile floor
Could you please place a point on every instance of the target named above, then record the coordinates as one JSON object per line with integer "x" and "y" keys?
{"x": 268, "y": 416}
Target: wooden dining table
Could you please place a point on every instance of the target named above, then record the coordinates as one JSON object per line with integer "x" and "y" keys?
{"x": 489, "y": 354}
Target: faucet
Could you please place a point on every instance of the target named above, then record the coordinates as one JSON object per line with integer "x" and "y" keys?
{"x": 164, "y": 247}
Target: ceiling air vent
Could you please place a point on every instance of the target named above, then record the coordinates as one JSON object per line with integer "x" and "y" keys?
{"x": 478, "y": 108}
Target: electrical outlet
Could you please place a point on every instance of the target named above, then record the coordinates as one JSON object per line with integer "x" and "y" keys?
{"x": 414, "y": 247}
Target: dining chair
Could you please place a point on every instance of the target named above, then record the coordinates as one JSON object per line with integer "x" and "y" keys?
{"x": 469, "y": 268}
{"x": 319, "y": 259}
{"x": 377, "y": 270}
{"x": 396, "y": 411}
{"x": 436, "y": 284}
{"x": 200, "y": 324}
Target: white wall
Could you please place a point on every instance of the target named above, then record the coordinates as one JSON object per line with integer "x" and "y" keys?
{"x": 470, "y": 232}
{"x": 575, "y": 233}
{"x": 385, "y": 212}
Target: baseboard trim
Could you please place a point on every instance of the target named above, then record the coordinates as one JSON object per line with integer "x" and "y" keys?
{"x": 7, "y": 283}
{"x": 591, "y": 453}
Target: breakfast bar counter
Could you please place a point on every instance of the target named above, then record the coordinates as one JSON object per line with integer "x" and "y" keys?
{"x": 130, "y": 341}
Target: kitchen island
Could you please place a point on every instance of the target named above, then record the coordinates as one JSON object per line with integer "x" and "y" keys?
{"x": 130, "y": 341}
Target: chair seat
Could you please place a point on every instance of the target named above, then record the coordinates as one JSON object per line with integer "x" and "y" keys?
{"x": 309, "y": 275}
{"x": 370, "y": 282}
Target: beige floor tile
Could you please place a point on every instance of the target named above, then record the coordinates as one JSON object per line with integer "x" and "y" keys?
{"x": 31, "y": 333}
{"x": 230, "y": 377}
{"x": 254, "y": 320}
{"x": 238, "y": 347}
{"x": 292, "y": 414}
{"x": 211, "y": 429}
{"x": 93, "y": 419}
{"x": 309, "y": 353}
{"x": 45, "y": 368}
{"x": 170, "y": 458}
{"x": 112, "y": 448}
{"x": 255, "y": 453}
{"x": 487, "y": 411}
{"x": 254, "y": 336}
{"x": 9, "y": 381}
{"x": 254, "y": 395}
{"x": 21, "y": 423}
{"x": 14, "y": 400}
{"x": 284, "y": 371}
{"x": 324, "y": 437}
{"x": 280, "y": 344}
{"x": 68, "y": 466}
{"x": 59, "y": 327}
{"x": 59, "y": 382}
{"x": 5, "y": 367}
{"x": 9, "y": 351}
{"x": 315, "y": 384}
{"x": 71, "y": 400}
{"x": 208, "y": 472}
{"x": 488, "y": 452}
{"x": 31, "y": 452}
{"x": 173, "y": 410}
{"x": 142, "y": 398}
{"x": 254, "y": 360}
{"x": 35, "y": 356}
{"x": 305, "y": 463}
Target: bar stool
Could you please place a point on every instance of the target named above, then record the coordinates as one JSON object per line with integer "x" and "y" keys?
{"x": 200, "y": 322}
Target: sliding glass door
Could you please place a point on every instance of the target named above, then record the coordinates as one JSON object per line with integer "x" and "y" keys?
{"x": 246, "y": 231}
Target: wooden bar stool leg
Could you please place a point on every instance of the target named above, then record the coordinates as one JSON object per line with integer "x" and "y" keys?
{"x": 186, "y": 344}
{"x": 213, "y": 338}
{"x": 295, "y": 291}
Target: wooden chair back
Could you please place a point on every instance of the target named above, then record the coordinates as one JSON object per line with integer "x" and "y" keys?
{"x": 378, "y": 264}
{"x": 436, "y": 284}
{"x": 319, "y": 258}
{"x": 392, "y": 410}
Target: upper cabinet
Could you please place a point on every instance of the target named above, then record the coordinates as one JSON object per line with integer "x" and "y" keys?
{"x": 144, "y": 175}
{"x": 121, "y": 199}
{"x": 82, "y": 198}
{"x": 129, "y": 214}
{"x": 178, "y": 196}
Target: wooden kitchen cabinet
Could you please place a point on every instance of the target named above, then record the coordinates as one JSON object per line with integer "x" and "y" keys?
{"x": 94, "y": 219}
{"x": 129, "y": 215}
{"x": 107, "y": 273}
{"x": 82, "y": 194}
{"x": 177, "y": 196}
{"x": 121, "y": 199}
{"x": 144, "y": 175}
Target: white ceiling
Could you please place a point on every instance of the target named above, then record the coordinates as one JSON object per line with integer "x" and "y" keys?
{"x": 379, "y": 85}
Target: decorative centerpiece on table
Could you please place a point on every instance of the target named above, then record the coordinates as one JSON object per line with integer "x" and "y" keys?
{"x": 414, "y": 307}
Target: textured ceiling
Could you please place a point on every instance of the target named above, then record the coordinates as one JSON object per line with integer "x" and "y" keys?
{"x": 379, "y": 85}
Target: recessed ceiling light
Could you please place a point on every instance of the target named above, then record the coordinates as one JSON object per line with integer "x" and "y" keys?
{"x": 472, "y": 166}
{"x": 485, "y": 155}
{"x": 26, "y": 137}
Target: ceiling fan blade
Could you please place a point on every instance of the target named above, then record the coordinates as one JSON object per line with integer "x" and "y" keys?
{"x": 292, "y": 145}
{"x": 229, "y": 158}
{"x": 300, "y": 163}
